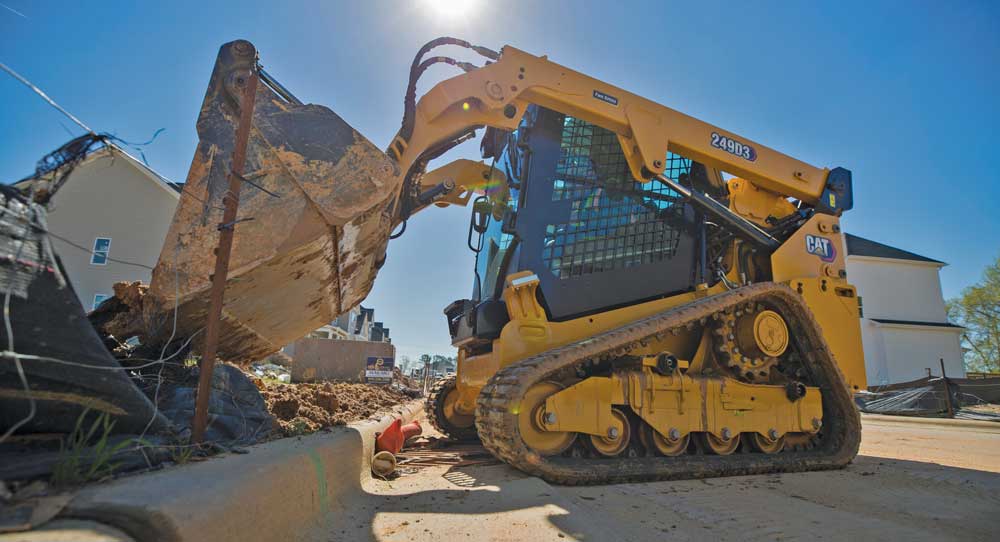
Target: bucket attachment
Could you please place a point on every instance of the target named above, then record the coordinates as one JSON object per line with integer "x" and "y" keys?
{"x": 313, "y": 222}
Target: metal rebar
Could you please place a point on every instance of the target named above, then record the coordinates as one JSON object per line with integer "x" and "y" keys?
{"x": 223, "y": 251}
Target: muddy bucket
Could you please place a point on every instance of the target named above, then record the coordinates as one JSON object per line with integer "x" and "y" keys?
{"x": 313, "y": 222}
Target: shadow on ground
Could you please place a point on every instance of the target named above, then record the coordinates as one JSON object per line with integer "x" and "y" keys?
{"x": 874, "y": 498}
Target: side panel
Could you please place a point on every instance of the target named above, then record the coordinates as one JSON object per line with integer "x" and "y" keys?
{"x": 812, "y": 262}
{"x": 530, "y": 333}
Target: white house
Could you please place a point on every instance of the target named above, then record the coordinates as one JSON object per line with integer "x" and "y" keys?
{"x": 904, "y": 328}
{"x": 354, "y": 325}
{"x": 108, "y": 222}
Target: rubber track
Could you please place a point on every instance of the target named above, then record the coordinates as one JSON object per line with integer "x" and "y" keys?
{"x": 499, "y": 399}
{"x": 434, "y": 407}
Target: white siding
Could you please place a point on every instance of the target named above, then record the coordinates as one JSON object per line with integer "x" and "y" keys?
{"x": 898, "y": 289}
{"x": 902, "y": 353}
{"x": 109, "y": 196}
{"x": 892, "y": 289}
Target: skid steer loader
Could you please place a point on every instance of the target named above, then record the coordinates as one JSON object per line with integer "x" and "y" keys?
{"x": 654, "y": 297}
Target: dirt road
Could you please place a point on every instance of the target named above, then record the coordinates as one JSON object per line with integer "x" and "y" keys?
{"x": 912, "y": 481}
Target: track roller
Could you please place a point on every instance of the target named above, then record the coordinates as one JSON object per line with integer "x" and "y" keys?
{"x": 718, "y": 445}
{"x": 615, "y": 442}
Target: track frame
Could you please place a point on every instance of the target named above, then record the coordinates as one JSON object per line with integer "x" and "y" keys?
{"x": 499, "y": 401}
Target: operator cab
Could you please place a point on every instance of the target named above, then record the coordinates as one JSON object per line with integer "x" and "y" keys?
{"x": 573, "y": 214}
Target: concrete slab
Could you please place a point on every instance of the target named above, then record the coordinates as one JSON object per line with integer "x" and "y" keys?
{"x": 493, "y": 503}
{"x": 69, "y": 530}
{"x": 965, "y": 444}
{"x": 274, "y": 492}
{"x": 902, "y": 496}
{"x": 947, "y": 422}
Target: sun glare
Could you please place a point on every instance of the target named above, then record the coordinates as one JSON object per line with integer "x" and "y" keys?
{"x": 450, "y": 9}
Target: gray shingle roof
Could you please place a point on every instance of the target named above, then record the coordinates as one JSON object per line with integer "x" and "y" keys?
{"x": 859, "y": 246}
{"x": 915, "y": 323}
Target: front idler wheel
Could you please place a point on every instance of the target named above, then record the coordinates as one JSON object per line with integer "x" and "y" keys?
{"x": 531, "y": 422}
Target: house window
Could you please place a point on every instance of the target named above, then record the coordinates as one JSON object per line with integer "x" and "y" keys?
{"x": 102, "y": 246}
{"x": 98, "y": 299}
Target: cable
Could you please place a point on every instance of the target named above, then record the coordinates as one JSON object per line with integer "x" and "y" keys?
{"x": 10, "y": 352}
{"x": 73, "y": 151}
{"x": 151, "y": 362}
{"x": 410, "y": 98}
{"x": 400, "y": 233}
{"x": 91, "y": 252}
{"x": 173, "y": 333}
{"x": 71, "y": 243}
{"x": 45, "y": 97}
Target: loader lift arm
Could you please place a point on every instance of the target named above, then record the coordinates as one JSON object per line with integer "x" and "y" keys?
{"x": 498, "y": 94}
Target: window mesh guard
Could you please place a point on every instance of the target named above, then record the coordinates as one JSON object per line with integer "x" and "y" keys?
{"x": 615, "y": 222}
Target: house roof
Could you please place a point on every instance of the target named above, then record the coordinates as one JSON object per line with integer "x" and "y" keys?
{"x": 859, "y": 246}
{"x": 174, "y": 188}
{"x": 916, "y": 323}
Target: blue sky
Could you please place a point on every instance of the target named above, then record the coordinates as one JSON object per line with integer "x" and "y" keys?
{"x": 902, "y": 93}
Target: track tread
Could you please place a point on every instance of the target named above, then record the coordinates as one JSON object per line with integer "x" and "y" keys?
{"x": 498, "y": 428}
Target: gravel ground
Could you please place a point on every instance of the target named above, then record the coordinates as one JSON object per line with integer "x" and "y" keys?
{"x": 914, "y": 480}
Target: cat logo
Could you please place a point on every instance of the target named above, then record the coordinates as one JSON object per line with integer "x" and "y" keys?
{"x": 822, "y": 247}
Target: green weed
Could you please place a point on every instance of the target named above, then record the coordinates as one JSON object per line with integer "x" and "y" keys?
{"x": 87, "y": 453}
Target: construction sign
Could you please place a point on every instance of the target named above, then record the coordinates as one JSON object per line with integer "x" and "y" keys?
{"x": 378, "y": 370}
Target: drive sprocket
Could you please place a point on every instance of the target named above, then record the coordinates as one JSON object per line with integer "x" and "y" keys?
{"x": 750, "y": 339}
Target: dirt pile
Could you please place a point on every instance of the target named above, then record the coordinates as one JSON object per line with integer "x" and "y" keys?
{"x": 122, "y": 316}
{"x": 305, "y": 408}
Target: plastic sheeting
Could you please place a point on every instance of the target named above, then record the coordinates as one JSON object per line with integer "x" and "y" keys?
{"x": 237, "y": 414}
{"x": 66, "y": 366}
{"x": 927, "y": 397}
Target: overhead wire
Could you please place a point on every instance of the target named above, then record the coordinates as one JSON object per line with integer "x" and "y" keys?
{"x": 77, "y": 148}
{"x": 45, "y": 97}
{"x": 45, "y": 231}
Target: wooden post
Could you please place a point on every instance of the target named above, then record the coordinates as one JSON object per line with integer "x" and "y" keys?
{"x": 427, "y": 376}
{"x": 947, "y": 391}
{"x": 230, "y": 203}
